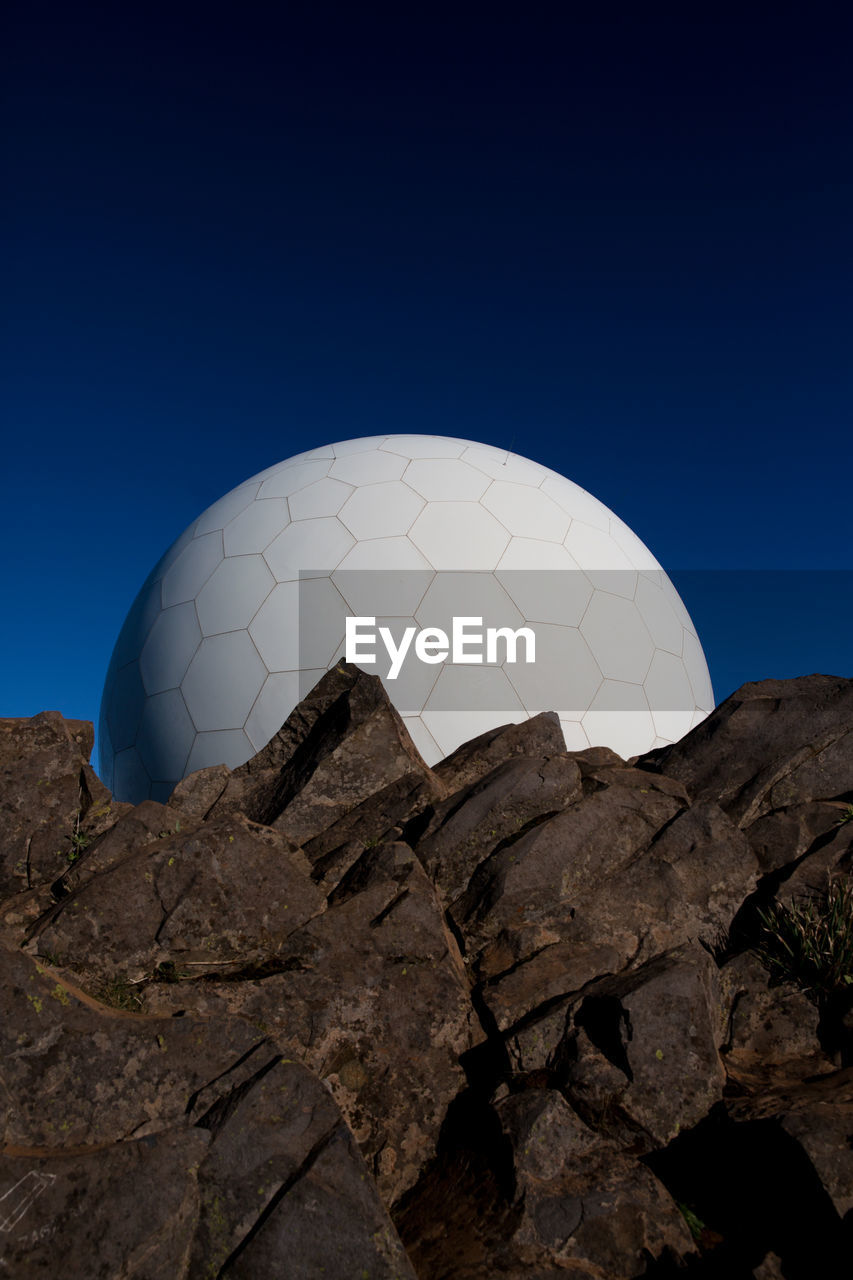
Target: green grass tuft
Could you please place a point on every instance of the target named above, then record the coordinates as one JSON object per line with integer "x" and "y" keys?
{"x": 810, "y": 941}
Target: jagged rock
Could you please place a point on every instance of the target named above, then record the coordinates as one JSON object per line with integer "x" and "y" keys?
{"x": 642, "y": 1052}
{"x": 51, "y": 800}
{"x": 221, "y": 899}
{"x": 539, "y": 736}
{"x": 522, "y": 985}
{"x": 373, "y": 997}
{"x": 771, "y": 745}
{"x": 339, "y": 746}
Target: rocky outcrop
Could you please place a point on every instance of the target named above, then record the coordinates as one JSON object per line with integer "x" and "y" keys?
{"x": 337, "y": 1013}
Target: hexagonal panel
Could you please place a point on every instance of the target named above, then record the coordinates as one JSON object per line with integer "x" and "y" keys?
{"x": 191, "y": 570}
{"x": 224, "y": 746}
{"x": 526, "y": 513}
{"x": 233, "y": 594}
{"x": 385, "y": 575}
{"x": 361, "y": 444}
{"x": 125, "y": 706}
{"x": 460, "y": 595}
{"x": 446, "y": 480}
{"x": 308, "y": 546}
{"x": 368, "y": 468}
{"x": 224, "y": 678}
{"x": 308, "y": 455}
{"x": 274, "y": 703}
{"x": 670, "y": 696}
{"x": 166, "y": 734}
{"x": 220, "y": 513}
{"x": 130, "y": 777}
{"x": 254, "y": 529}
{"x": 658, "y": 615}
{"x": 577, "y": 503}
{"x": 564, "y": 678}
{"x": 573, "y": 732}
{"x": 423, "y": 740}
{"x": 275, "y": 629}
{"x": 410, "y": 689}
{"x": 322, "y": 498}
{"x": 381, "y": 510}
{"x": 615, "y": 633}
{"x": 619, "y": 718}
{"x": 169, "y": 649}
{"x": 697, "y": 671}
{"x": 627, "y": 541}
{"x": 459, "y": 535}
{"x": 605, "y": 564}
{"x": 558, "y": 594}
{"x": 301, "y": 624}
{"x": 139, "y": 621}
{"x": 292, "y": 478}
{"x": 500, "y": 464}
{"x": 487, "y": 697}
{"x": 424, "y": 446}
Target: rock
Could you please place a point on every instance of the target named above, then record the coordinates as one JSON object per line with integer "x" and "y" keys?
{"x": 541, "y": 735}
{"x": 514, "y": 1001}
{"x": 51, "y": 801}
{"x": 641, "y": 1057}
{"x": 772, "y": 744}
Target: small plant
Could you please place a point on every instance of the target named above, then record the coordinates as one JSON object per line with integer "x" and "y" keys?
{"x": 846, "y": 816}
{"x": 79, "y": 841}
{"x": 119, "y": 994}
{"x": 810, "y": 941}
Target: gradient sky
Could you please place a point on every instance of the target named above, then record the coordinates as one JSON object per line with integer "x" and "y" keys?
{"x": 613, "y": 238}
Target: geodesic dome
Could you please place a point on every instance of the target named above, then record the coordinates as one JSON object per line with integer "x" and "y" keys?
{"x": 247, "y": 610}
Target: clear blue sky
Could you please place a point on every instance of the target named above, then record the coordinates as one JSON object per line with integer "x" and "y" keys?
{"x": 617, "y": 239}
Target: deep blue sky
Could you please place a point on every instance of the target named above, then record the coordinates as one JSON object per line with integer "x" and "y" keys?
{"x": 614, "y": 238}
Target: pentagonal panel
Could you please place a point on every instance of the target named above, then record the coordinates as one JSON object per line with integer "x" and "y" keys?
{"x": 292, "y": 478}
{"x": 368, "y": 468}
{"x": 233, "y": 594}
{"x": 619, "y": 718}
{"x": 381, "y": 510}
{"x": 615, "y": 633}
{"x": 670, "y": 696}
{"x": 220, "y": 513}
{"x": 308, "y": 546}
{"x": 254, "y": 529}
{"x": 526, "y": 513}
{"x": 323, "y": 498}
{"x": 168, "y": 651}
{"x": 223, "y": 681}
{"x": 446, "y": 480}
{"x": 165, "y": 736}
{"x": 424, "y": 446}
{"x": 503, "y": 465}
{"x": 125, "y": 706}
{"x": 459, "y": 535}
{"x": 280, "y": 694}
{"x": 577, "y": 503}
{"x": 564, "y": 678}
{"x": 191, "y": 570}
{"x": 658, "y": 615}
{"x": 466, "y": 701}
{"x": 130, "y": 777}
{"x": 224, "y": 746}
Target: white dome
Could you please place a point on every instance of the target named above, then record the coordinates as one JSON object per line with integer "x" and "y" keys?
{"x": 248, "y": 608}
